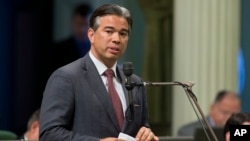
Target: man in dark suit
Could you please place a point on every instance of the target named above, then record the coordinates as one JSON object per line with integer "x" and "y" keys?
{"x": 76, "y": 45}
{"x": 78, "y": 102}
{"x": 225, "y": 104}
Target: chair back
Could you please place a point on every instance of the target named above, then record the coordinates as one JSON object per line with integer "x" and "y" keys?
{"x": 7, "y": 135}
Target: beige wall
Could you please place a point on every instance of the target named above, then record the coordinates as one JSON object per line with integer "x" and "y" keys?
{"x": 206, "y": 41}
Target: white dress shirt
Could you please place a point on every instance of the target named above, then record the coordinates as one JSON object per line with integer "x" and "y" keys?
{"x": 101, "y": 68}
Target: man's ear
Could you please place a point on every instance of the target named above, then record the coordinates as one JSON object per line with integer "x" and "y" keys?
{"x": 34, "y": 126}
{"x": 227, "y": 136}
{"x": 91, "y": 34}
{"x": 212, "y": 107}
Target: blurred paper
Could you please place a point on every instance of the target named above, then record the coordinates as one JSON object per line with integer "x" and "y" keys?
{"x": 126, "y": 137}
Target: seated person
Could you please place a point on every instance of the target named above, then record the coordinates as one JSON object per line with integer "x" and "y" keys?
{"x": 236, "y": 119}
{"x": 32, "y": 132}
{"x": 225, "y": 103}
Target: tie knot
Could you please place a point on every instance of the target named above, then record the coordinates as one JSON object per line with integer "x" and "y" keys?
{"x": 109, "y": 73}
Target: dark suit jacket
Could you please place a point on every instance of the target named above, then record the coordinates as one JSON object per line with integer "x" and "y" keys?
{"x": 190, "y": 128}
{"x": 21, "y": 138}
{"x": 76, "y": 105}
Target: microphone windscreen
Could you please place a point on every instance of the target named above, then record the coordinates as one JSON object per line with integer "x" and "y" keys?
{"x": 128, "y": 68}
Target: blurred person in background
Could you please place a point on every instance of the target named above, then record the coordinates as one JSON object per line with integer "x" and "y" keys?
{"x": 235, "y": 119}
{"x": 225, "y": 103}
{"x": 77, "y": 45}
{"x": 32, "y": 132}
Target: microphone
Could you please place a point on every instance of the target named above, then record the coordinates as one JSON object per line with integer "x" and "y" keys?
{"x": 128, "y": 71}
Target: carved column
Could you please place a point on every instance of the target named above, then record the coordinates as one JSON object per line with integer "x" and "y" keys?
{"x": 206, "y": 41}
{"x": 158, "y": 59}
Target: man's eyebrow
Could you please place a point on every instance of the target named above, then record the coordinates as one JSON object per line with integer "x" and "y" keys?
{"x": 110, "y": 27}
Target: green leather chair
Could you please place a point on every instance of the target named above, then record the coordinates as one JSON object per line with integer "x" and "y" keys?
{"x": 7, "y": 135}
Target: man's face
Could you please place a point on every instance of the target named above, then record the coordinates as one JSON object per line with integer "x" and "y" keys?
{"x": 110, "y": 39}
{"x": 221, "y": 111}
{"x": 80, "y": 27}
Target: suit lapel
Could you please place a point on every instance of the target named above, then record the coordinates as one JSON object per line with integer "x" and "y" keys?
{"x": 98, "y": 88}
{"x": 121, "y": 77}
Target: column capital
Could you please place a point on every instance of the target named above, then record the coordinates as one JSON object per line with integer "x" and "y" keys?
{"x": 154, "y": 9}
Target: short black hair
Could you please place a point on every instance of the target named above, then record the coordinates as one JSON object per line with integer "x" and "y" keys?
{"x": 109, "y": 9}
{"x": 82, "y": 9}
{"x": 222, "y": 94}
{"x": 236, "y": 119}
{"x": 34, "y": 117}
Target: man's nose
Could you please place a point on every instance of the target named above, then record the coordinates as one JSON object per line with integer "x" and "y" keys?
{"x": 116, "y": 38}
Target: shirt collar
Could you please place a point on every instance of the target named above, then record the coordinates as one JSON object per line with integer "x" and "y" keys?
{"x": 25, "y": 137}
{"x": 211, "y": 121}
{"x": 101, "y": 68}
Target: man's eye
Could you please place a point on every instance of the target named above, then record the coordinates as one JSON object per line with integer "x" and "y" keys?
{"x": 109, "y": 31}
{"x": 123, "y": 33}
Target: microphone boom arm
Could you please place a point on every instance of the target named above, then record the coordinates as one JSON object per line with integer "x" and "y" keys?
{"x": 187, "y": 86}
{"x": 192, "y": 96}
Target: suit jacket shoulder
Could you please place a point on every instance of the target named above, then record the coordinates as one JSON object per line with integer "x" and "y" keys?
{"x": 189, "y": 129}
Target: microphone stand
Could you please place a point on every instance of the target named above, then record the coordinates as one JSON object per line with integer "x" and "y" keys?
{"x": 129, "y": 87}
{"x": 191, "y": 96}
{"x": 128, "y": 71}
{"x": 187, "y": 86}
